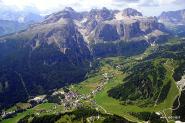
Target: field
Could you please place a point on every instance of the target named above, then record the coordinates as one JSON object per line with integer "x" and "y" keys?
{"x": 113, "y": 106}
{"x": 116, "y": 69}
{"x": 41, "y": 109}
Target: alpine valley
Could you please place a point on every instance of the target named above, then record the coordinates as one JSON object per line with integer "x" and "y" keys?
{"x": 97, "y": 66}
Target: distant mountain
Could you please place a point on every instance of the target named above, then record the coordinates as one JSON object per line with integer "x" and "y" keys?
{"x": 173, "y": 17}
{"x": 58, "y": 51}
{"x": 14, "y": 21}
{"x": 101, "y": 27}
{"x": 98, "y": 24}
{"x": 174, "y": 21}
{"x": 21, "y": 16}
{"x": 128, "y": 24}
{"x": 131, "y": 12}
{"x": 7, "y": 27}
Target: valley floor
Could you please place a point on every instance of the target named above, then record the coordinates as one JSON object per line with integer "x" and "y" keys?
{"x": 93, "y": 92}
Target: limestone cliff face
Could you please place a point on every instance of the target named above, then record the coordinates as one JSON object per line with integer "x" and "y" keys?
{"x": 131, "y": 12}
{"x": 66, "y": 38}
{"x": 73, "y": 33}
{"x": 173, "y": 17}
{"x": 106, "y": 32}
{"x": 174, "y": 22}
{"x": 102, "y": 25}
{"x": 132, "y": 30}
{"x": 100, "y": 14}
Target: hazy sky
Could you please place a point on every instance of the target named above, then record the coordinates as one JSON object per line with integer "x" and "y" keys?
{"x": 147, "y": 7}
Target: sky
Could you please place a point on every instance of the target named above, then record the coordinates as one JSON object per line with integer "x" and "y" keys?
{"x": 147, "y": 7}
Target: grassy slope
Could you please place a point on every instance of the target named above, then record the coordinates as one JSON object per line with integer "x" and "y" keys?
{"x": 113, "y": 106}
{"x": 45, "y": 106}
{"x": 173, "y": 93}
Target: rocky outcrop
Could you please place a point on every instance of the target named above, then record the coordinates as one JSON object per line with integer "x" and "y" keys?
{"x": 102, "y": 25}
{"x": 131, "y": 12}
{"x": 106, "y": 32}
{"x": 100, "y": 14}
{"x": 173, "y": 17}
{"x": 68, "y": 12}
{"x": 132, "y": 30}
{"x": 174, "y": 21}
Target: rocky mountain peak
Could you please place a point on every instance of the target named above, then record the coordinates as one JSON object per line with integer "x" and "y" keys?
{"x": 98, "y": 25}
{"x": 67, "y": 12}
{"x": 173, "y": 17}
{"x": 69, "y": 9}
{"x": 101, "y": 14}
{"x": 131, "y": 12}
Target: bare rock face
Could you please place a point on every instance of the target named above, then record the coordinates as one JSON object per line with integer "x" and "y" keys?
{"x": 106, "y": 32}
{"x": 120, "y": 29}
{"x": 100, "y": 14}
{"x": 132, "y": 30}
{"x": 66, "y": 38}
{"x": 90, "y": 25}
{"x": 102, "y": 25}
{"x": 150, "y": 24}
{"x": 95, "y": 17}
{"x": 68, "y": 12}
{"x": 131, "y": 12}
{"x": 74, "y": 32}
{"x": 173, "y": 17}
{"x": 174, "y": 22}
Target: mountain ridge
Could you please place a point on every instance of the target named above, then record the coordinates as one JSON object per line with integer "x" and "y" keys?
{"x": 60, "y": 49}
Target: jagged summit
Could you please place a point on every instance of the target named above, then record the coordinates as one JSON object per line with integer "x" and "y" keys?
{"x": 101, "y": 14}
{"x": 173, "y": 17}
{"x": 70, "y": 9}
{"x": 131, "y": 12}
{"x": 101, "y": 25}
{"x": 67, "y": 12}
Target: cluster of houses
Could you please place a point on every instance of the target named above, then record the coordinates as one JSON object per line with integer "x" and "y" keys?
{"x": 69, "y": 99}
{"x": 5, "y": 114}
{"x": 37, "y": 100}
{"x": 181, "y": 83}
{"x": 31, "y": 103}
{"x": 119, "y": 67}
{"x": 72, "y": 100}
{"x": 9, "y": 114}
{"x": 107, "y": 76}
{"x": 92, "y": 119}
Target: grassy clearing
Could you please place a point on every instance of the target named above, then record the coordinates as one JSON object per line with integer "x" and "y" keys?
{"x": 114, "y": 106}
{"x": 109, "y": 104}
{"x": 167, "y": 105}
{"x": 86, "y": 86}
{"x": 42, "y": 109}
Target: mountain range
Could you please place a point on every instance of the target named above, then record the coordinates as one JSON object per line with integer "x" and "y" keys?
{"x": 174, "y": 21}
{"x": 61, "y": 49}
{"x": 14, "y": 21}
{"x": 68, "y": 40}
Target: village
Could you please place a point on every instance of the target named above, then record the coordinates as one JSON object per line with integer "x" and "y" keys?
{"x": 69, "y": 99}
